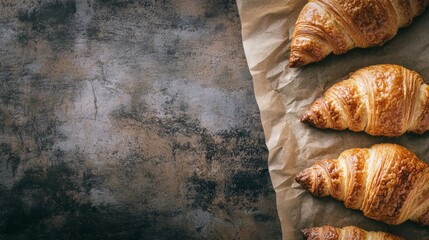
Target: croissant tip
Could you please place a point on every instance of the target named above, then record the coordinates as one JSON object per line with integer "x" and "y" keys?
{"x": 293, "y": 64}
{"x": 295, "y": 60}
{"x": 303, "y": 179}
{"x": 305, "y": 232}
{"x": 306, "y": 118}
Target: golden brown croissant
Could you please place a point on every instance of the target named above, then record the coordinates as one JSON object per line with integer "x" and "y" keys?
{"x": 382, "y": 100}
{"x": 386, "y": 182}
{"x": 345, "y": 233}
{"x": 336, "y": 26}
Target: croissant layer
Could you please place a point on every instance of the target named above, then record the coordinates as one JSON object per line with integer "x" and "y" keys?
{"x": 345, "y": 233}
{"x": 386, "y": 182}
{"x": 382, "y": 100}
{"x": 336, "y": 26}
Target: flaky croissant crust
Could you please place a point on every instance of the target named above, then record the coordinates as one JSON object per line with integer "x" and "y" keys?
{"x": 336, "y": 26}
{"x": 386, "y": 182}
{"x": 382, "y": 100}
{"x": 345, "y": 233}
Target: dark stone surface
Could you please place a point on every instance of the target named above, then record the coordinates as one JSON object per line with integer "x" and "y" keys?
{"x": 128, "y": 119}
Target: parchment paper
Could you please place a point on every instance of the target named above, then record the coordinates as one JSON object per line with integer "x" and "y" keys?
{"x": 283, "y": 94}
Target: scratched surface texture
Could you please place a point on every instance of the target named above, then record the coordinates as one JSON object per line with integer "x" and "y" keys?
{"x": 129, "y": 119}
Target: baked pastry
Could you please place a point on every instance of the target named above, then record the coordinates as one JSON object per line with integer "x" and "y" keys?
{"x": 382, "y": 100}
{"x": 345, "y": 233}
{"x": 386, "y": 182}
{"x": 336, "y": 26}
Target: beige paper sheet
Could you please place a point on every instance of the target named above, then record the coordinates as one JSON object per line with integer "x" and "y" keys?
{"x": 283, "y": 94}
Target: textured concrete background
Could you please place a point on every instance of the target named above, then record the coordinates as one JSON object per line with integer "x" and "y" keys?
{"x": 129, "y": 119}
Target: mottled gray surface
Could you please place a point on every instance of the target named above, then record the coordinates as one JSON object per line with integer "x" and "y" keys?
{"x": 127, "y": 119}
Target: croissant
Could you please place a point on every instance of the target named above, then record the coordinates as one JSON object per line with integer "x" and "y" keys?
{"x": 382, "y": 100}
{"x": 386, "y": 182}
{"x": 336, "y": 26}
{"x": 345, "y": 233}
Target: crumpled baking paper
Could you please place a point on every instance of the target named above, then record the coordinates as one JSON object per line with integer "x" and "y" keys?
{"x": 283, "y": 94}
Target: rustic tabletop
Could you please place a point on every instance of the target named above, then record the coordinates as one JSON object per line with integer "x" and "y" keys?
{"x": 129, "y": 119}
